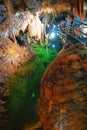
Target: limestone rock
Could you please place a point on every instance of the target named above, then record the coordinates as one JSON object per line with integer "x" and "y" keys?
{"x": 12, "y": 55}
{"x": 63, "y": 94}
{"x": 15, "y": 23}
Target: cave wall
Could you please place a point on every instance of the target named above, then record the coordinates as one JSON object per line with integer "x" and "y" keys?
{"x": 63, "y": 92}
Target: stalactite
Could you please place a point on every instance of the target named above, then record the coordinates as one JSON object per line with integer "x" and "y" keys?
{"x": 78, "y": 7}
{"x": 9, "y": 6}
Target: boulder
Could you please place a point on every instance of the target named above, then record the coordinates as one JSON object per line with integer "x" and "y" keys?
{"x": 63, "y": 92}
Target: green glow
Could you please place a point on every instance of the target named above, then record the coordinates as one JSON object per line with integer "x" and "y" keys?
{"x": 33, "y": 95}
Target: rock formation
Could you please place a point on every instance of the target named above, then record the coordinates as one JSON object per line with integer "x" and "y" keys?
{"x": 12, "y": 55}
{"x": 63, "y": 94}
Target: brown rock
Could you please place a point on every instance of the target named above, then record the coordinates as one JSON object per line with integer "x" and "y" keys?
{"x": 63, "y": 94}
{"x": 12, "y": 55}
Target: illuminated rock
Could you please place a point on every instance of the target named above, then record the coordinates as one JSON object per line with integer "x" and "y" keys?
{"x": 15, "y": 23}
{"x": 22, "y": 21}
{"x": 63, "y": 93}
{"x": 11, "y": 57}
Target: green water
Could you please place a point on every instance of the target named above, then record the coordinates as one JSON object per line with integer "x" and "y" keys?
{"x": 24, "y": 87}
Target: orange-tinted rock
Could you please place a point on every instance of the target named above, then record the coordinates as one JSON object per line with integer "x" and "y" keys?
{"x": 12, "y": 55}
{"x": 63, "y": 94}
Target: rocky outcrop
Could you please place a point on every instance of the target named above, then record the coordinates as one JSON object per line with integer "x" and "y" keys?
{"x": 55, "y": 9}
{"x": 63, "y": 94}
{"x": 22, "y": 21}
{"x": 12, "y": 56}
{"x": 14, "y": 24}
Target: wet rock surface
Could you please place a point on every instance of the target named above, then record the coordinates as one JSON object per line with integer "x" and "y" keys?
{"x": 63, "y": 94}
{"x": 12, "y": 55}
{"x": 14, "y": 24}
